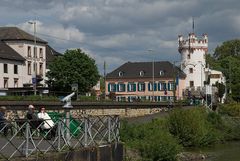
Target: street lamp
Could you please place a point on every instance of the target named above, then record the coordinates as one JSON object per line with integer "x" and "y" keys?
{"x": 201, "y": 72}
{"x": 34, "y": 58}
{"x": 151, "y": 51}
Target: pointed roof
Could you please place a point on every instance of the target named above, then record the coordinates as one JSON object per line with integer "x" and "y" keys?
{"x": 51, "y": 54}
{"x": 6, "y": 52}
{"x": 133, "y": 69}
{"x": 14, "y": 33}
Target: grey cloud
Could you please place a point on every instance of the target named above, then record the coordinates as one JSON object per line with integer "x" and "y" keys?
{"x": 123, "y": 30}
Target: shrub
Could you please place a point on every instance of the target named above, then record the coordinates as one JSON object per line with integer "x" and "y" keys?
{"x": 230, "y": 109}
{"x": 192, "y": 128}
{"x": 152, "y": 140}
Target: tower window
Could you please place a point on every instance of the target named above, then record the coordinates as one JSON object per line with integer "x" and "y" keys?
{"x": 191, "y": 83}
{"x": 29, "y": 51}
{"x": 190, "y": 70}
{"x": 29, "y": 68}
{"x": 120, "y": 74}
{"x": 141, "y": 73}
{"x": 15, "y": 69}
{"x": 189, "y": 56}
{"x": 40, "y": 53}
{"x": 161, "y": 73}
{"x": 5, "y": 68}
{"x": 15, "y": 82}
{"x": 5, "y": 82}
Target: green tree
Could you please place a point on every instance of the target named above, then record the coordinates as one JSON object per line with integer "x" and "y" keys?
{"x": 73, "y": 67}
{"x": 221, "y": 90}
{"x": 226, "y": 58}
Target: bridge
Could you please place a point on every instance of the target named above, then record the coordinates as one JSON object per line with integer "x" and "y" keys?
{"x": 84, "y": 131}
{"x": 23, "y": 140}
{"x": 54, "y": 105}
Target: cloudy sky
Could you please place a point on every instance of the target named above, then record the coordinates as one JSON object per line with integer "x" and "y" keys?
{"x": 117, "y": 31}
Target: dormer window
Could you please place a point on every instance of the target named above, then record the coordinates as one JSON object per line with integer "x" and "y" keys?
{"x": 161, "y": 73}
{"x": 141, "y": 73}
{"x": 120, "y": 74}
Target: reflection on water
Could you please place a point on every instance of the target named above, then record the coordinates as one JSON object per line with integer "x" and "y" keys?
{"x": 223, "y": 152}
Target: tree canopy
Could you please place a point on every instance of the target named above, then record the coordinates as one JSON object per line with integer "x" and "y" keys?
{"x": 226, "y": 58}
{"x": 73, "y": 67}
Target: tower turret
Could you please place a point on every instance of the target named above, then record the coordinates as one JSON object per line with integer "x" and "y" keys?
{"x": 193, "y": 51}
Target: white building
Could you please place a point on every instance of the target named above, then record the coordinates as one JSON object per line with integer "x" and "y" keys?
{"x": 193, "y": 52}
{"x": 18, "y": 61}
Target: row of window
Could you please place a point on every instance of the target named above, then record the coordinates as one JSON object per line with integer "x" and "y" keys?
{"x": 35, "y": 68}
{"x": 6, "y": 81}
{"x": 141, "y": 87}
{"x": 142, "y": 98}
{"x": 141, "y": 73}
{"x": 15, "y": 68}
{"x": 29, "y": 52}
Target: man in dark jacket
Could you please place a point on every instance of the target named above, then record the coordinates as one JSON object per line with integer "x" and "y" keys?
{"x": 33, "y": 118}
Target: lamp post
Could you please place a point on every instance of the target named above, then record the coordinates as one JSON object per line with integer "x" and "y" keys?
{"x": 151, "y": 51}
{"x": 34, "y": 58}
{"x": 201, "y": 73}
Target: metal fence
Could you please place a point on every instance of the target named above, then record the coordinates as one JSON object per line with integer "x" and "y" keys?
{"x": 26, "y": 138}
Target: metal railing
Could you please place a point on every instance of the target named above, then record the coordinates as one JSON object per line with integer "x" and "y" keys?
{"x": 24, "y": 138}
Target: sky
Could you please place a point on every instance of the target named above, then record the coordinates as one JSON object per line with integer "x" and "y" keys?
{"x": 118, "y": 31}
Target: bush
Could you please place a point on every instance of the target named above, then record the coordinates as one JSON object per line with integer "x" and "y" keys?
{"x": 192, "y": 128}
{"x": 230, "y": 109}
{"x": 159, "y": 147}
{"x": 152, "y": 140}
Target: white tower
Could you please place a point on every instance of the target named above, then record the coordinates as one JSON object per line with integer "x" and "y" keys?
{"x": 193, "y": 61}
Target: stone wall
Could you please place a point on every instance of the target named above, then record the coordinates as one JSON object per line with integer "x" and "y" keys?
{"x": 11, "y": 114}
{"x": 110, "y": 152}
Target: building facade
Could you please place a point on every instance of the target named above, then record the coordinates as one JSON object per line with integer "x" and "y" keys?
{"x": 154, "y": 81}
{"x": 22, "y": 61}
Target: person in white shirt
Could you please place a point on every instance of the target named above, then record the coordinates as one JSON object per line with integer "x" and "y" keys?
{"x": 48, "y": 122}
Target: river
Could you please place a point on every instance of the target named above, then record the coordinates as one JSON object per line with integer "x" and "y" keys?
{"x": 223, "y": 152}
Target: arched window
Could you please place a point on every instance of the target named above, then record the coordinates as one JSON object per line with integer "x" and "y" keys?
{"x": 141, "y": 73}
{"x": 161, "y": 72}
{"x": 120, "y": 74}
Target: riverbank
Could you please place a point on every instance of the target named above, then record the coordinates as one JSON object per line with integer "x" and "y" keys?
{"x": 165, "y": 138}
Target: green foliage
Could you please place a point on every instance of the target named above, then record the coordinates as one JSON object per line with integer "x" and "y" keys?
{"x": 221, "y": 89}
{"x": 159, "y": 147}
{"x": 73, "y": 67}
{"x": 228, "y": 48}
{"x": 191, "y": 127}
{"x": 162, "y": 139}
{"x": 232, "y": 110}
{"x": 87, "y": 98}
{"x": 152, "y": 140}
{"x": 226, "y": 58}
